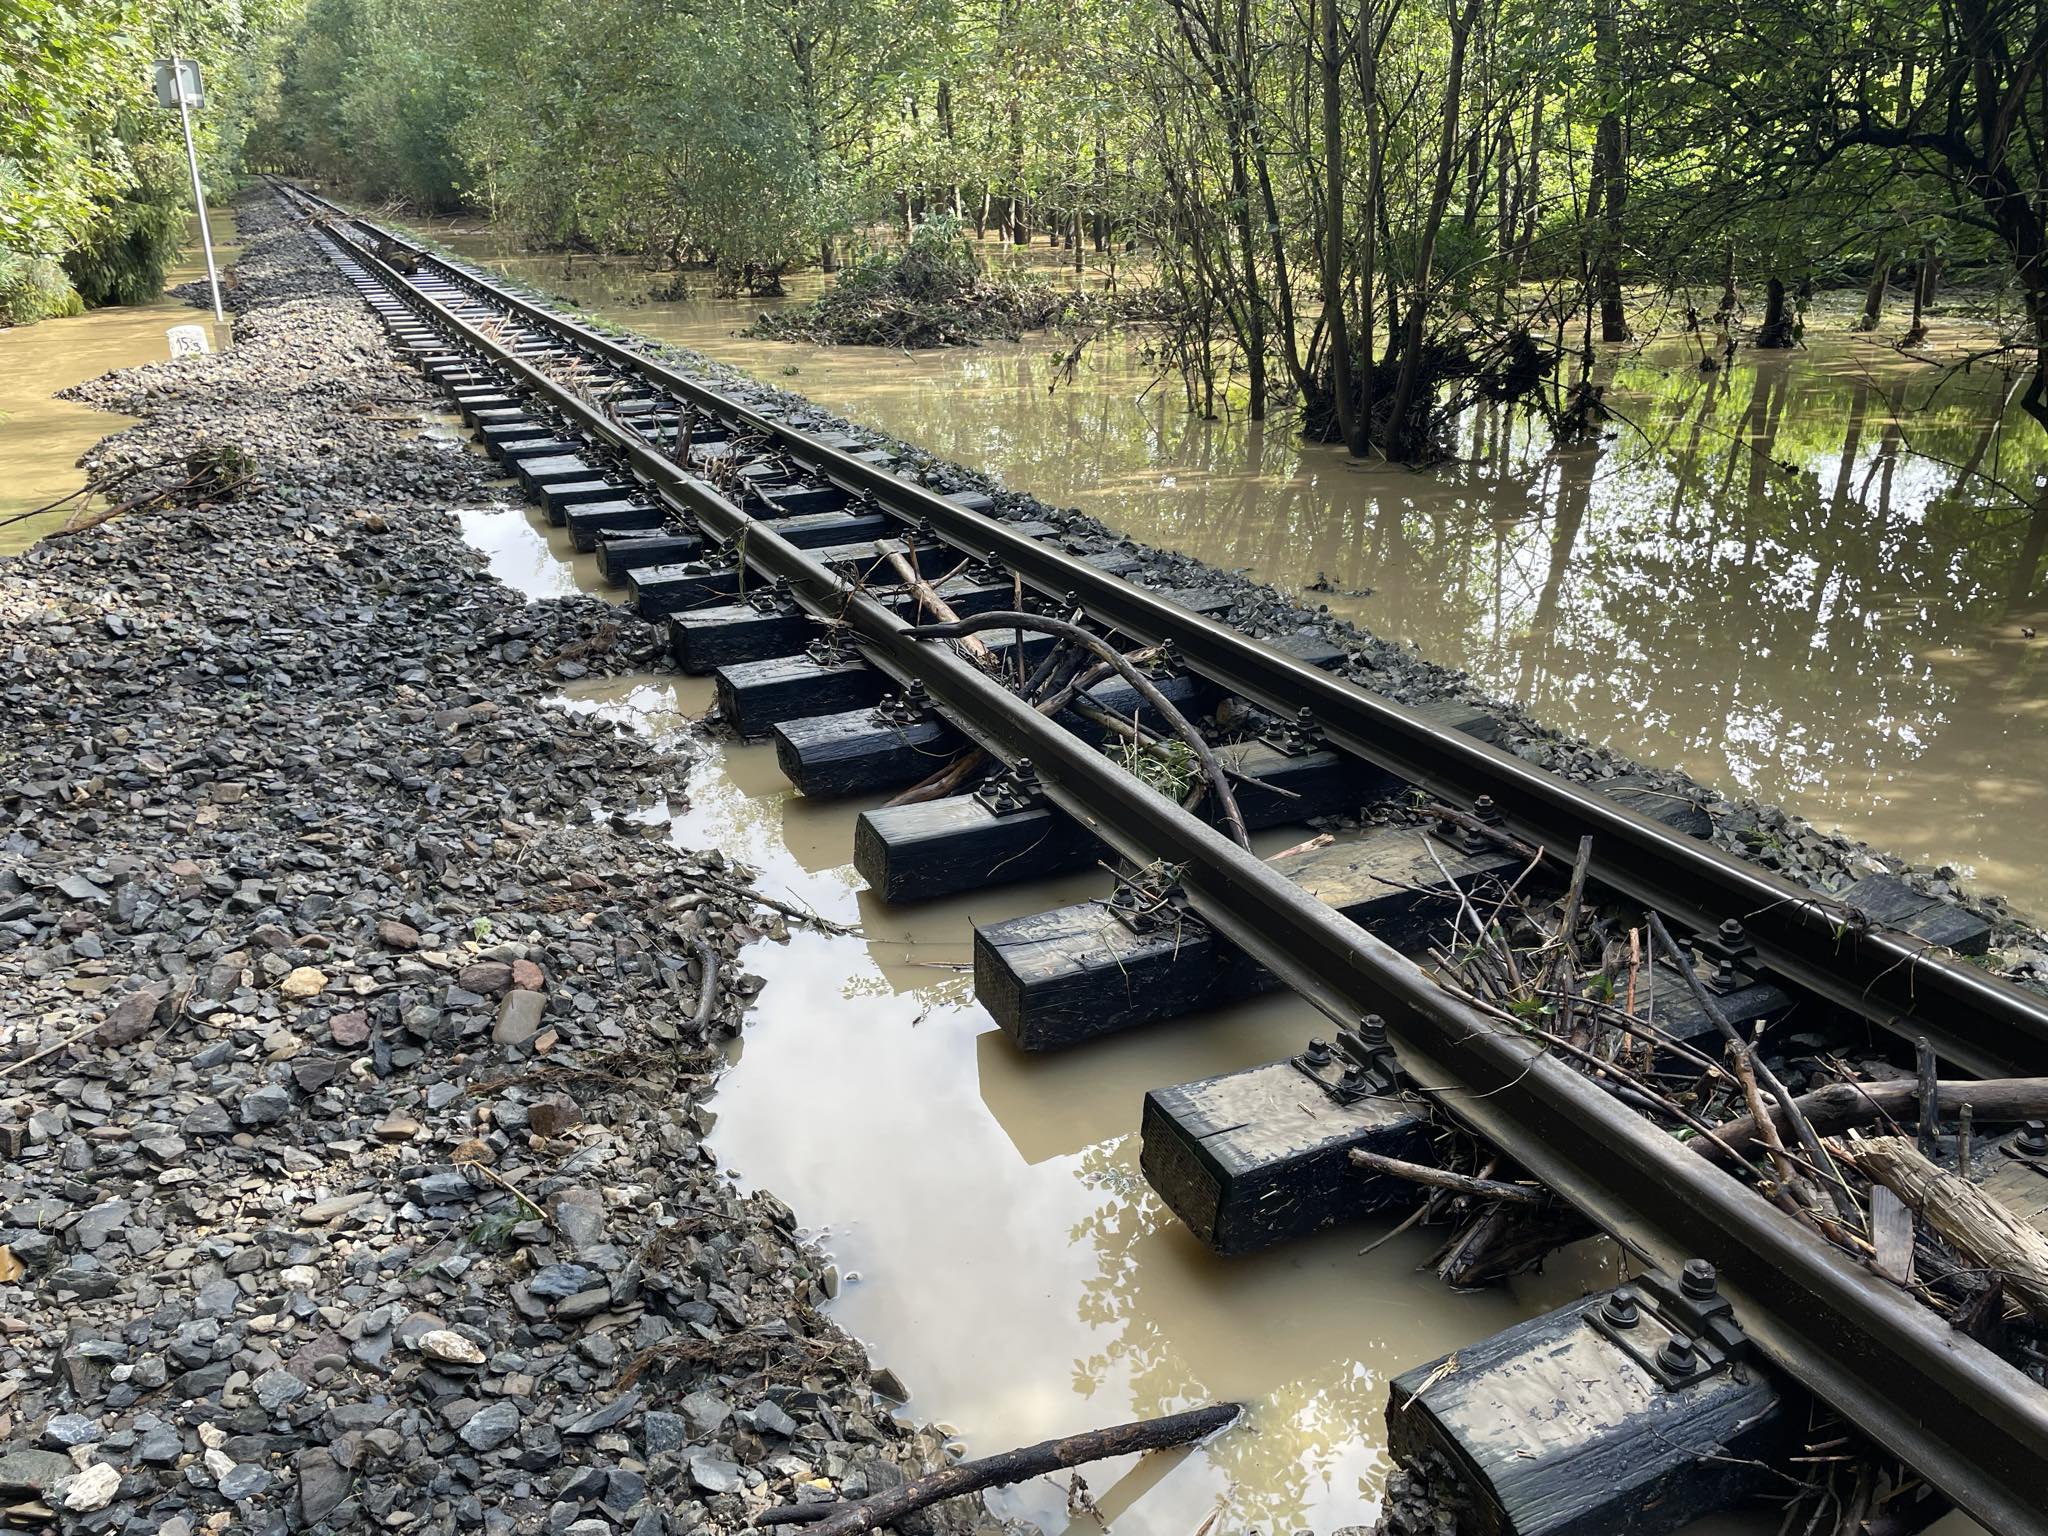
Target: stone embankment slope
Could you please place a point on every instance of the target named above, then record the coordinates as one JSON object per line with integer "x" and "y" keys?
{"x": 350, "y": 1172}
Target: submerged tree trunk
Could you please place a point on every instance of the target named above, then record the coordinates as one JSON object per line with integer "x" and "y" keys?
{"x": 1100, "y": 184}
{"x": 1528, "y": 196}
{"x": 1610, "y": 172}
{"x": 1725, "y": 314}
{"x": 1368, "y": 56}
{"x": 1923, "y": 295}
{"x": 1341, "y": 383}
{"x": 1776, "y": 330}
{"x": 1400, "y": 436}
{"x": 1873, "y": 296}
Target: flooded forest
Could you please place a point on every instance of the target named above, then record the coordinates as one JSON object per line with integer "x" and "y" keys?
{"x": 1674, "y": 372}
{"x": 1671, "y": 372}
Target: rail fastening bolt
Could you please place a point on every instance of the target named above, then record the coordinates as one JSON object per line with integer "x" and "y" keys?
{"x": 1621, "y": 1308}
{"x": 2034, "y": 1138}
{"x": 1318, "y": 1052}
{"x": 1698, "y": 1279}
{"x": 1678, "y": 1356}
{"x": 1372, "y": 1029}
{"x": 1731, "y": 931}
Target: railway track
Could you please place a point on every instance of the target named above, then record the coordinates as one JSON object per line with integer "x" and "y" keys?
{"x": 804, "y": 572}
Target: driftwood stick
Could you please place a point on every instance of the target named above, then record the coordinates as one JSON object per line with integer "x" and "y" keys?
{"x": 1767, "y": 1129}
{"x": 1982, "y": 1229}
{"x": 1443, "y": 1178}
{"x": 707, "y": 987}
{"x": 939, "y": 784}
{"x": 1471, "y": 823}
{"x": 1212, "y": 770}
{"x": 1930, "y": 1095}
{"x": 1575, "y": 894}
{"x": 949, "y": 778}
{"x": 850, "y": 1519}
{"x": 929, "y": 600}
{"x": 1786, "y": 1103}
{"x": 1841, "y": 1105}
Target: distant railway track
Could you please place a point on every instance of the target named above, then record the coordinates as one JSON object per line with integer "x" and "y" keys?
{"x": 796, "y": 567}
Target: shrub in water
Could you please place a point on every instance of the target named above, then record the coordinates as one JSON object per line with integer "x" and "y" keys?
{"x": 34, "y": 288}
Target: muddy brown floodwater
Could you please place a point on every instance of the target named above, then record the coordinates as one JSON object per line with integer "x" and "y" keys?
{"x": 998, "y": 1246}
{"x": 41, "y": 437}
{"x": 1001, "y": 1249}
{"x": 1811, "y": 578}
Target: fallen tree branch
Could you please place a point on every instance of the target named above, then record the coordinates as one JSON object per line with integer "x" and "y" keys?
{"x": 1842, "y": 1105}
{"x": 1787, "y": 1105}
{"x": 938, "y": 785}
{"x": 1982, "y": 1230}
{"x": 929, "y": 599}
{"x": 852, "y": 1518}
{"x": 707, "y": 987}
{"x": 1443, "y": 1178}
{"x": 1212, "y": 770}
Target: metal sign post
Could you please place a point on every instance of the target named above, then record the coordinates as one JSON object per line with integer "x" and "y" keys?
{"x": 177, "y": 84}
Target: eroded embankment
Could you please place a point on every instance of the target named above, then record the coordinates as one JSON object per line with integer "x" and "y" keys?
{"x": 349, "y": 1129}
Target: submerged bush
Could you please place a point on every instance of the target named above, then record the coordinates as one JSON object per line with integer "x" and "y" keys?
{"x": 121, "y": 255}
{"x": 34, "y": 288}
{"x": 122, "y": 260}
{"x": 931, "y": 293}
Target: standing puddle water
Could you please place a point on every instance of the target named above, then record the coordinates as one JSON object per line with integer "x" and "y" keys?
{"x": 1004, "y": 1254}
{"x": 1001, "y": 1251}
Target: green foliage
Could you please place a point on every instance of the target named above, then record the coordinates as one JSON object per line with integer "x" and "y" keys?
{"x": 939, "y": 264}
{"x": 122, "y": 257}
{"x": 34, "y": 288}
{"x": 91, "y": 168}
{"x": 125, "y": 252}
{"x": 933, "y": 292}
{"x": 1169, "y": 768}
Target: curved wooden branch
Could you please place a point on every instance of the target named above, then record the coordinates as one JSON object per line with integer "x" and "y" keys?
{"x": 1212, "y": 770}
{"x": 966, "y": 1477}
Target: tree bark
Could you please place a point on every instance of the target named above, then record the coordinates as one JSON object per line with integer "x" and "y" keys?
{"x": 1443, "y": 1178}
{"x": 1610, "y": 171}
{"x": 1529, "y": 196}
{"x": 1341, "y": 382}
{"x": 1982, "y": 1229}
{"x": 1873, "y": 296}
{"x": 1776, "y": 330}
{"x": 1923, "y": 293}
{"x": 1841, "y": 1105}
{"x": 1405, "y": 382}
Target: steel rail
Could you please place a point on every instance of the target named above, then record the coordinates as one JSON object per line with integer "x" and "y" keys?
{"x": 1965, "y": 1419}
{"x": 1893, "y": 980}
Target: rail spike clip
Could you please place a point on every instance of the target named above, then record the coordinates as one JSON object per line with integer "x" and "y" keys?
{"x": 907, "y": 708}
{"x": 1361, "y": 1065}
{"x": 1151, "y": 899}
{"x": 1681, "y": 1331}
{"x": 1012, "y": 790}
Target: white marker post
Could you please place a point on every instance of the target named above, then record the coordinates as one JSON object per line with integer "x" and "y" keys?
{"x": 175, "y": 87}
